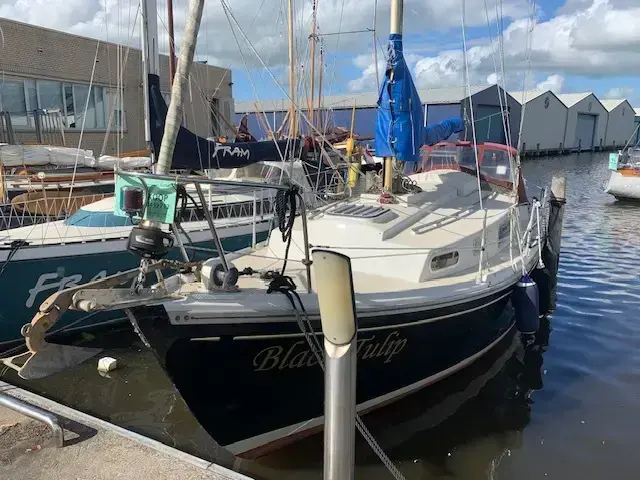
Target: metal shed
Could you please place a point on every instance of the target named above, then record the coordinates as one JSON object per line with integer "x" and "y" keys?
{"x": 620, "y": 123}
{"x": 586, "y": 121}
{"x": 439, "y": 104}
{"x": 637, "y": 125}
{"x": 545, "y": 117}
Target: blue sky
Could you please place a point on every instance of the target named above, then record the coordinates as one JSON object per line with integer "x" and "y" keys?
{"x": 577, "y": 45}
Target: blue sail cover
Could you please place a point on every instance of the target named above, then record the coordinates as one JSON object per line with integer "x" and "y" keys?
{"x": 443, "y": 130}
{"x": 196, "y": 153}
{"x": 399, "y": 130}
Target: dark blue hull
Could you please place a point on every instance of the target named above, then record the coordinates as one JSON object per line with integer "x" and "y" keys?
{"x": 248, "y": 384}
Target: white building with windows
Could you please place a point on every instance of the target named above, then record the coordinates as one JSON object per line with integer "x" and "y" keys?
{"x": 47, "y": 69}
{"x": 620, "y": 123}
{"x": 545, "y": 117}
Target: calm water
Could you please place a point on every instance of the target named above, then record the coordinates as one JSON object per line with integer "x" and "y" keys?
{"x": 565, "y": 406}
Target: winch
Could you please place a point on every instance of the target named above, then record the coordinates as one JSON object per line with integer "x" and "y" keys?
{"x": 146, "y": 239}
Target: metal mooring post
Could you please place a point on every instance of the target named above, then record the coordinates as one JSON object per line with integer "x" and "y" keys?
{"x": 334, "y": 285}
{"x": 37, "y": 414}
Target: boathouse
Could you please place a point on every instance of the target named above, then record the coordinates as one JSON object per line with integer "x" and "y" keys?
{"x": 620, "y": 122}
{"x": 543, "y": 124}
{"x": 439, "y": 104}
{"x": 586, "y": 121}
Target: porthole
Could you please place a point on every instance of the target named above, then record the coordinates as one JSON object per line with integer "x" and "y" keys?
{"x": 443, "y": 261}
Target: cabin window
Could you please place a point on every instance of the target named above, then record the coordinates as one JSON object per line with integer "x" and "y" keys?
{"x": 443, "y": 261}
{"x": 495, "y": 164}
{"x": 87, "y": 218}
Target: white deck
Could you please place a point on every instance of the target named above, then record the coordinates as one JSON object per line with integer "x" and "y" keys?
{"x": 389, "y": 274}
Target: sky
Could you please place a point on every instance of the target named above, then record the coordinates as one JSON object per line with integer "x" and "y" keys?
{"x": 562, "y": 45}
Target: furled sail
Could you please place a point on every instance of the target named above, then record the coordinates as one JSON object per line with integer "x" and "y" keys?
{"x": 197, "y": 153}
{"x": 399, "y": 129}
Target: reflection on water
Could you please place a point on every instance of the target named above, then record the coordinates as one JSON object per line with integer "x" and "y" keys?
{"x": 513, "y": 414}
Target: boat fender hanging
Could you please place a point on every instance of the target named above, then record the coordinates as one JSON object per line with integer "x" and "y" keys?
{"x": 525, "y": 300}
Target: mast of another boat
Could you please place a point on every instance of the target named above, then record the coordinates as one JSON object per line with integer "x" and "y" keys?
{"x": 150, "y": 62}
{"x": 395, "y": 28}
{"x": 172, "y": 45}
{"x": 292, "y": 86}
{"x": 180, "y": 85}
{"x": 313, "y": 62}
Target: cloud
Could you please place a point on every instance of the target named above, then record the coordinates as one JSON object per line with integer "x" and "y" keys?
{"x": 264, "y": 23}
{"x": 620, "y": 92}
{"x": 553, "y": 83}
{"x": 598, "y": 39}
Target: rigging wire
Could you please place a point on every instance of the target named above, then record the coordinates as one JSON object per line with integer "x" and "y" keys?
{"x": 473, "y": 132}
{"x": 84, "y": 120}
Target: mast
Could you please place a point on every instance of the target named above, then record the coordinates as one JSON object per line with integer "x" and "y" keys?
{"x": 396, "y": 16}
{"x": 375, "y": 44}
{"x": 320, "y": 126}
{"x": 150, "y": 61}
{"x": 172, "y": 45}
{"x": 313, "y": 58}
{"x": 180, "y": 86}
{"x": 292, "y": 86}
{"x": 395, "y": 28}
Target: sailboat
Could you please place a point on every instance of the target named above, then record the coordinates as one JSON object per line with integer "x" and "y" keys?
{"x": 435, "y": 255}
{"x": 624, "y": 181}
{"x": 40, "y": 258}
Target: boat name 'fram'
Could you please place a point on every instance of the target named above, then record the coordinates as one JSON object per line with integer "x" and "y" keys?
{"x": 231, "y": 151}
{"x": 46, "y": 282}
{"x": 298, "y": 355}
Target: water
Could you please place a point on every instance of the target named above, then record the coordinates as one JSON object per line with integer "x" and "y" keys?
{"x": 563, "y": 407}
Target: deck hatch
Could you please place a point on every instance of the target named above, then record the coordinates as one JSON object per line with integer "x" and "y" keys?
{"x": 358, "y": 211}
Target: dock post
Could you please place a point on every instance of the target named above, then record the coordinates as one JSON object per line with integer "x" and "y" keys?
{"x": 554, "y": 231}
{"x": 334, "y": 285}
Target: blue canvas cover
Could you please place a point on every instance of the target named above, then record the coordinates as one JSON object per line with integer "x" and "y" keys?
{"x": 399, "y": 129}
{"x": 195, "y": 153}
{"x": 443, "y": 130}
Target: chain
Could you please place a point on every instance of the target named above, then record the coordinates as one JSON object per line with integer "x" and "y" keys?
{"x": 142, "y": 276}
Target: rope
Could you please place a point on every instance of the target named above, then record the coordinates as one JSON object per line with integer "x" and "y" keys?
{"x": 15, "y": 246}
{"x": 540, "y": 262}
{"x": 284, "y": 284}
{"x": 286, "y": 201}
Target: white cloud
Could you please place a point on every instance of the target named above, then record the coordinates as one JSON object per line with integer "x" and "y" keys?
{"x": 620, "y": 92}
{"x": 553, "y": 83}
{"x": 263, "y": 22}
{"x": 599, "y": 39}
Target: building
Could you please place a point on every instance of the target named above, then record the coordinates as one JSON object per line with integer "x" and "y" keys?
{"x": 543, "y": 124}
{"x": 636, "y": 122}
{"x": 439, "y": 104}
{"x": 47, "y": 69}
{"x": 620, "y": 122}
{"x": 586, "y": 121}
